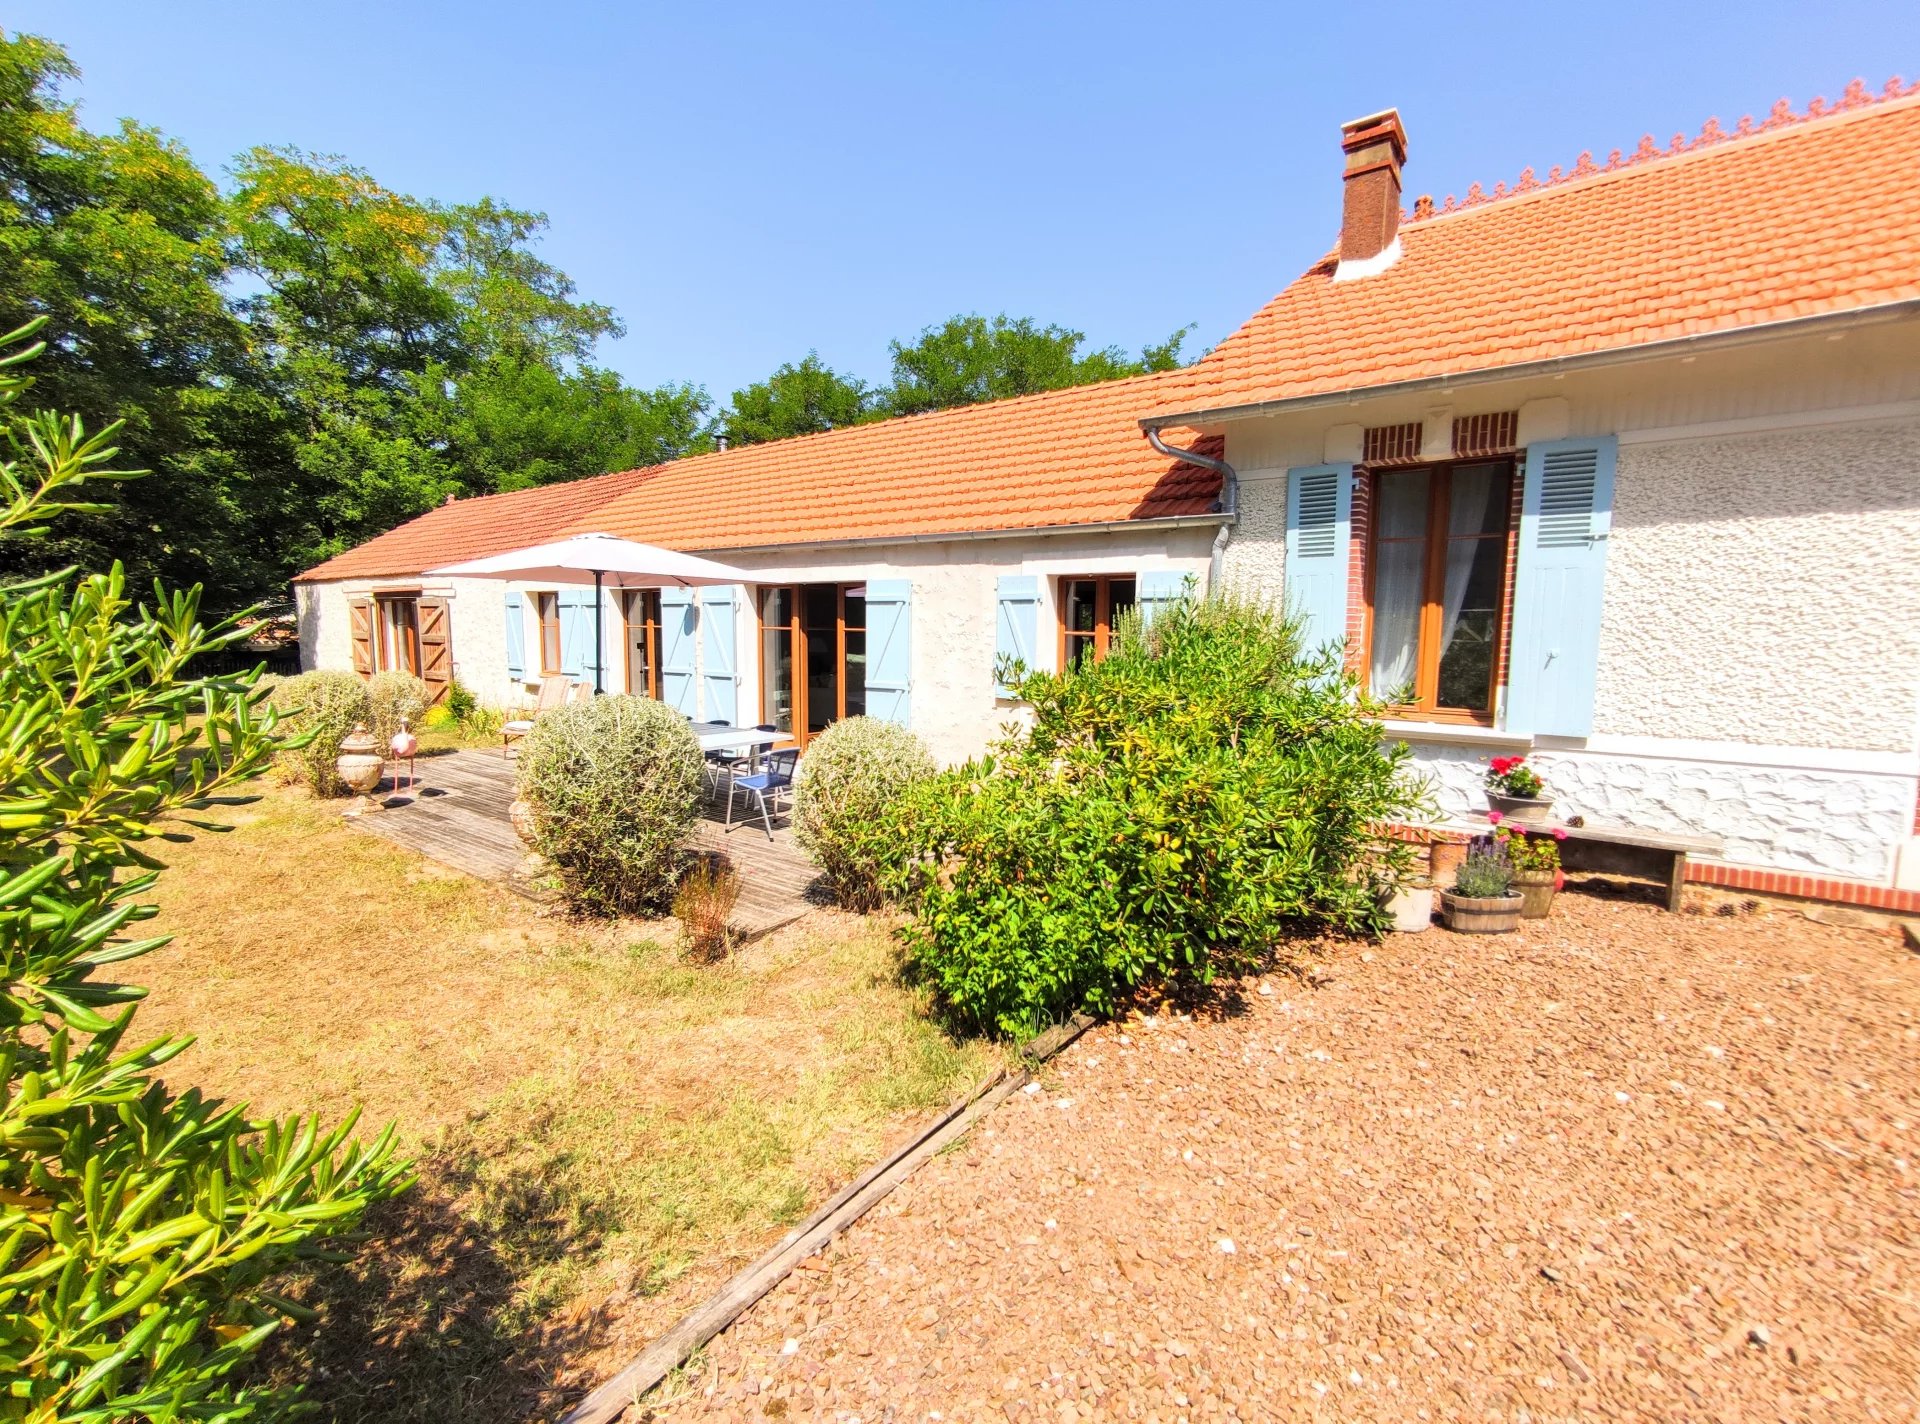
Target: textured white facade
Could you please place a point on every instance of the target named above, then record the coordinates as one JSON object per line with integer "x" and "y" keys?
{"x": 954, "y": 608}
{"x": 1759, "y": 666}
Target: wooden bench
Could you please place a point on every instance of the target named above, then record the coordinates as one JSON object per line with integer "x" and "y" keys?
{"x": 1624, "y": 850}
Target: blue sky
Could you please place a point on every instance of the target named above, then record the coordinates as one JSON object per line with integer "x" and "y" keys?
{"x": 743, "y": 183}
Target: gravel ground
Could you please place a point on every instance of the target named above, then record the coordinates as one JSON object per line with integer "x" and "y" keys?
{"x": 1623, "y": 1164}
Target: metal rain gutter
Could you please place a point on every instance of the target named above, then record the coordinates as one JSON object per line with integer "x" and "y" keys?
{"x": 1553, "y": 365}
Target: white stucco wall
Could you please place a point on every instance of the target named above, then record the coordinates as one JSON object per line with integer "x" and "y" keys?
{"x": 1766, "y": 588}
{"x": 954, "y": 606}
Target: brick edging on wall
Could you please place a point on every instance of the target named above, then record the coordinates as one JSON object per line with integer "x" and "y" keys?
{"x": 1806, "y": 887}
{"x": 1730, "y": 877}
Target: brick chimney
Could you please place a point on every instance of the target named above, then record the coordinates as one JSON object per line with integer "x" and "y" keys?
{"x": 1375, "y": 147}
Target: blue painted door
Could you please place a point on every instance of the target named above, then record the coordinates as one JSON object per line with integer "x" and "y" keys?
{"x": 678, "y": 649}
{"x": 717, "y": 653}
{"x": 890, "y": 650}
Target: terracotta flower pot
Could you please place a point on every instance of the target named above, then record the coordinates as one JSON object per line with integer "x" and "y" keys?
{"x": 1523, "y": 810}
{"x": 1494, "y": 914}
{"x": 521, "y": 814}
{"x": 1444, "y": 857}
{"x": 1536, "y": 889}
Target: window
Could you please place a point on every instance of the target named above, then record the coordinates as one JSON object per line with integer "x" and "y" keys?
{"x": 640, "y": 607}
{"x": 547, "y": 607}
{"x": 1088, "y": 607}
{"x": 397, "y": 627}
{"x": 1437, "y": 575}
{"x": 813, "y": 656}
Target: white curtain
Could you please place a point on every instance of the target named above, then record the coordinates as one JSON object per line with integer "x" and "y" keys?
{"x": 1473, "y": 495}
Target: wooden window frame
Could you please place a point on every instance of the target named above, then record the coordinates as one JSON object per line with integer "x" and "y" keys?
{"x": 409, "y": 659}
{"x": 796, "y": 631}
{"x": 546, "y": 622}
{"x": 1102, "y": 634}
{"x": 648, "y": 600}
{"x": 1426, "y": 684}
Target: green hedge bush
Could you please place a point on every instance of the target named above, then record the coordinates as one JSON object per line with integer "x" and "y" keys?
{"x": 391, "y": 697}
{"x": 1173, "y": 812}
{"x": 328, "y": 705}
{"x": 614, "y": 783}
{"x": 850, "y": 781}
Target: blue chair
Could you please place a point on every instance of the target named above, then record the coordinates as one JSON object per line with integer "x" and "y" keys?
{"x": 725, "y": 762}
{"x": 765, "y": 785}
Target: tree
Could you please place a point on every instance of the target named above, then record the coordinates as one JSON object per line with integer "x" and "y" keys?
{"x": 968, "y": 359}
{"x": 119, "y": 241}
{"x": 799, "y": 400}
{"x": 141, "y": 1230}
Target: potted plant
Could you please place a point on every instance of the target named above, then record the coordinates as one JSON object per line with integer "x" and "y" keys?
{"x": 1482, "y": 900}
{"x": 1536, "y": 868}
{"x": 1514, "y": 790}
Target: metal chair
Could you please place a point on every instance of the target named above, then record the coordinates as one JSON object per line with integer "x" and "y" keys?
{"x": 723, "y": 762}
{"x": 766, "y": 785}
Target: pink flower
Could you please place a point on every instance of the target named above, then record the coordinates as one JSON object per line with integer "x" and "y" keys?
{"x": 1559, "y": 833}
{"x": 1494, "y": 818}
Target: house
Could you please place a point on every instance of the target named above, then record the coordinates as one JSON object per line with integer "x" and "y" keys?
{"x": 1619, "y": 467}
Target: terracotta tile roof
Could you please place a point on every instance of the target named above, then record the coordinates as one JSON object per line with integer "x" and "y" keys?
{"x": 474, "y": 528}
{"x": 1796, "y": 217}
{"x": 1071, "y": 457}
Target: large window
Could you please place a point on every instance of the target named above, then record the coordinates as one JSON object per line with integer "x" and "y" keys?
{"x": 640, "y": 609}
{"x": 1088, "y": 608}
{"x": 813, "y": 656}
{"x": 547, "y": 606}
{"x": 1437, "y": 573}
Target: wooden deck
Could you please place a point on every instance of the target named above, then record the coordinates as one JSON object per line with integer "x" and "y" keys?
{"x": 458, "y": 817}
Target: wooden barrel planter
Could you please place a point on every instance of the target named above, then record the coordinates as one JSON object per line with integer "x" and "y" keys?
{"x": 1496, "y": 914}
{"x": 1536, "y": 889}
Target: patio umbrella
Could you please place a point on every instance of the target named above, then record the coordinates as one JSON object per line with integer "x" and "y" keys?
{"x": 610, "y": 562}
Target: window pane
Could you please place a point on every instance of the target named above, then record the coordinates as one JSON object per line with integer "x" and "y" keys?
{"x": 856, "y": 610}
{"x": 1399, "y": 571}
{"x": 822, "y": 685}
{"x": 856, "y": 669}
{"x": 1469, "y": 615}
{"x": 819, "y": 606}
{"x": 1080, "y": 606}
{"x": 1479, "y": 499}
{"x": 1400, "y": 504}
{"x": 1079, "y": 648}
{"x": 1120, "y": 592}
{"x": 778, "y": 606}
{"x": 776, "y": 700}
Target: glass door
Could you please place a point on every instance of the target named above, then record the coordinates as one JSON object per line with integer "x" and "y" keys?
{"x": 641, "y": 609}
{"x": 778, "y": 633}
{"x": 813, "y": 657}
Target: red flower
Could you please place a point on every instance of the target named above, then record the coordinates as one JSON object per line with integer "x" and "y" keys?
{"x": 1494, "y": 818}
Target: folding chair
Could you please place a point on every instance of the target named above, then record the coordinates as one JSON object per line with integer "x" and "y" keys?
{"x": 553, "y": 691}
{"x": 765, "y": 786}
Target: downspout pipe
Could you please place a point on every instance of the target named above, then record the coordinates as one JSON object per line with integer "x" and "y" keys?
{"x": 1228, "y": 503}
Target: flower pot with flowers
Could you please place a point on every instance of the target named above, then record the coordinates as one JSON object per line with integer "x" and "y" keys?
{"x": 1536, "y": 866}
{"x": 1483, "y": 900}
{"x": 1515, "y": 789}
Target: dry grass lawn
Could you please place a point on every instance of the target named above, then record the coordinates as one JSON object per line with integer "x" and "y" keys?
{"x": 605, "y": 1130}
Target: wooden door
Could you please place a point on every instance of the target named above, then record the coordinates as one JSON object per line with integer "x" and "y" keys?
{"x": 436, "y": 647}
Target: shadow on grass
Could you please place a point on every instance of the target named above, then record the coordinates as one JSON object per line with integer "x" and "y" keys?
{"x": 429, "y": 1324}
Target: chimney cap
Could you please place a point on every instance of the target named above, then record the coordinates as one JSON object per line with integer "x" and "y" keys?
{"x": 1371, "y": 129}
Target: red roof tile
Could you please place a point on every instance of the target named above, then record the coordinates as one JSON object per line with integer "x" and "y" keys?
{"x": 1800, "y": 217}
{"x": 1063, "y": 458}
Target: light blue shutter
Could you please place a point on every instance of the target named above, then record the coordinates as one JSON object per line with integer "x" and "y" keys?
{"x": 1319, "y": 532}
{"x": 576, "y": 632}
{"x": 1016, "y": 625}
{"x": 717, "y": 646}
{"x": 1158, "y": 590}
{"x": 890, "y": 650}
{"x": 677, "y": 633}
{"x": 516, "y": 638}
{"x": 1565, "y": 518}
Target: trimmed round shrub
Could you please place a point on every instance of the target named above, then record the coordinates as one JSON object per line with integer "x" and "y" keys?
{"x": 853, "y": 780}
{"x": 317, "y": 710}
{"x": 393, "y": 696}
{"x": 614, "y": 785}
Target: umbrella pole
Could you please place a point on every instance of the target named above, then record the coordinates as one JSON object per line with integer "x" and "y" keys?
{"x": 599, "y": 637}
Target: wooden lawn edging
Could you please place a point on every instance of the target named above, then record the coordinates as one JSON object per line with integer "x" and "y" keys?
{"x": 846, "y": 1206}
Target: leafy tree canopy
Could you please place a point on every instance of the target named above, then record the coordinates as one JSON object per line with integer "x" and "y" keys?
{"x": 799, "y": 400}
